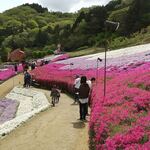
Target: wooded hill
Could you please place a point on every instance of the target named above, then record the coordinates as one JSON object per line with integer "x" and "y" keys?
{"x": 38, "y": 31}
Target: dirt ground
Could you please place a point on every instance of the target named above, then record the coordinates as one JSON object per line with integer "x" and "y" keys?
{"x": 57, "y": 128}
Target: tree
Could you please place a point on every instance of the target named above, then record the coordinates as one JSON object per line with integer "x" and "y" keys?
{"x": 40, "y": 21}
{"x": 95, "y": 20}
{"x": 41, "y": 38}
{"x": 37, "y": 7}
{"x": 13, "y": 26}
{"x": 31, "y": 24}
{"x": 78, "y": 20}
{"x": 4, "y": 53}
{"x": 134, "y": 19}
{"x": 113, "y": 4}
{"x": 65, "y": 32}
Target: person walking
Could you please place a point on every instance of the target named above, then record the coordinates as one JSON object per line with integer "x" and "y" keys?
{"x": 16, "y": 68}
{"x": 84, "y": 90}
{"x": 55, "y": 94}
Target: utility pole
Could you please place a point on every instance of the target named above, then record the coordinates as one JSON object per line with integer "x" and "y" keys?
{"x": 109, "y": 26}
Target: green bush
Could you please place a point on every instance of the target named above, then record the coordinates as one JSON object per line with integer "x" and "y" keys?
{"x": 50, "y": 52}
{"x": 50, "y": 47}
{"x": 4, "y": 53}
{"x": 35, "y": 55}
{"x": 39, "y": 54}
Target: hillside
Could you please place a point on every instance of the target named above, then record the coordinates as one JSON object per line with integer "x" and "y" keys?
{"x": 30, "y": 26}
{"x": 37, "y": 31}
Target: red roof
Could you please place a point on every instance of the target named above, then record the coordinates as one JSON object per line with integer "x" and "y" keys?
{"x": 16, "y": 55}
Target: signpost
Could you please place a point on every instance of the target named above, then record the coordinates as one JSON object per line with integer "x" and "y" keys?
{"x": 98, "y": 60}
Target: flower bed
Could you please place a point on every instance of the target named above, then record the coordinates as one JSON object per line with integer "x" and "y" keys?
{"x": 8, "y": 109}
{"x": 121, "y": 119}
{"x": 60, "y": 57}
{"x": 9, "y": 72}
{"x": 30, "y": 103}
{"x": 52, "y": 58}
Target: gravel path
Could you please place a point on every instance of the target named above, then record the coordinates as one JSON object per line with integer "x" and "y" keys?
{"x": 54, "y": 129}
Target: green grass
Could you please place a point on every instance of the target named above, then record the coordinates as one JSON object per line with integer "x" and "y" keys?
{"x": 88, "y": 51}
{"x": 114, "y": 129}
{"x": 144, "y": 139}
{"x": 142, "y": 37}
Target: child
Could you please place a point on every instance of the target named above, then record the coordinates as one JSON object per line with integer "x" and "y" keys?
{"x": 55, "y": 94}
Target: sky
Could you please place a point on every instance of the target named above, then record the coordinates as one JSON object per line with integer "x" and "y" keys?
{"x": 54, "y": 5}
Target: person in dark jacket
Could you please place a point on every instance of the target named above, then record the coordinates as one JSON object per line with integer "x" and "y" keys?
{"x": 84, "y": 90}
{"x": 27, "y": 79}
{"x": 32, "y": 66}
{"x": 16, "y": 68}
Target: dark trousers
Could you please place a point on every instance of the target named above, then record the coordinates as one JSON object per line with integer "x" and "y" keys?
{"x": 27, "y": 83}
{"x": 76, "y": 97}
{"x": 87, "y": 108}
{"x": 83, "y": 110}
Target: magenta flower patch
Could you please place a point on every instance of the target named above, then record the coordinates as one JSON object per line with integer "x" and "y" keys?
{"x": 121, "y": 119}
{"x": 9, "y": 72}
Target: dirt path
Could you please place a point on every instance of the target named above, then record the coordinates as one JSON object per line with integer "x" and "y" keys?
{"x": 54, "y": 129}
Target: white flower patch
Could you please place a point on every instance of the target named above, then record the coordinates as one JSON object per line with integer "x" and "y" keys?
{"x": 24, "y": 91}
{"x": 25, "y": 103}
{"x": 118, "y": 58}
{"x": 123, "y": 52}
{"x": 31, "y": 103}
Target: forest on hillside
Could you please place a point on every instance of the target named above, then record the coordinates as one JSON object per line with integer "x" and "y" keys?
{"x": 37, "y": 31}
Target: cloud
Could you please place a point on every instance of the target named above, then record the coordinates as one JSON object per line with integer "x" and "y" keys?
{"x": 54, "y": 5}
{"x": 30, "y": 1}
{"x": 87, "y": 3}
{"x": 70, "y": 5}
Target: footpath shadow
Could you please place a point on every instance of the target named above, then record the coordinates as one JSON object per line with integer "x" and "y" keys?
{"x": 78, "y": 124}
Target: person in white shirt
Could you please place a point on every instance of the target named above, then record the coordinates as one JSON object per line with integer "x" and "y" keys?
{"x": 76, "y": 88}
{"x": 91, "y": 83}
